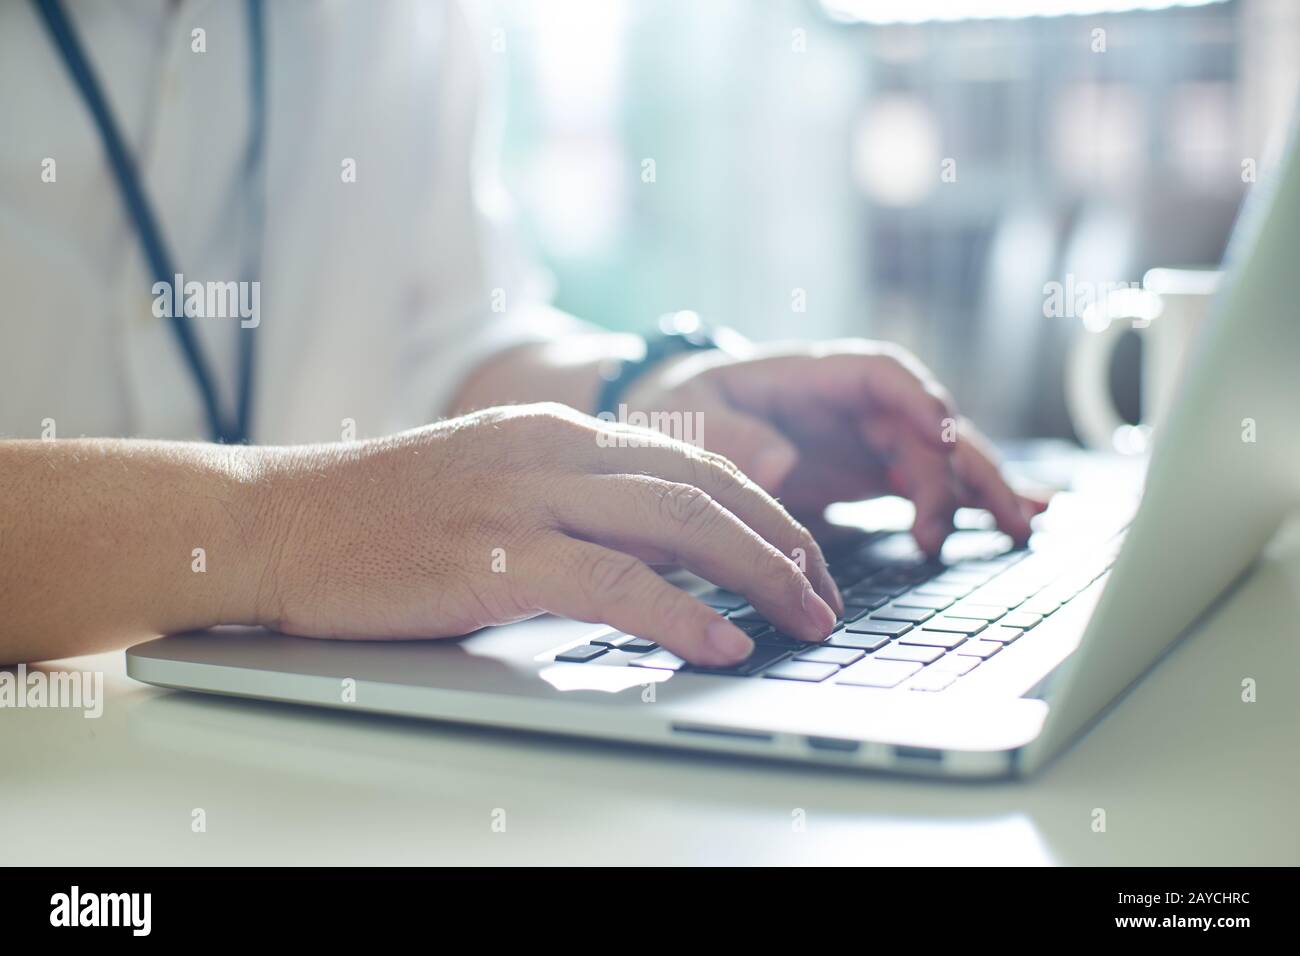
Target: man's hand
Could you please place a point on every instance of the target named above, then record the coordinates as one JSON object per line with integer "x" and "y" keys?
{"x": 841, "y": 421}
{"x": 499, "y": 515}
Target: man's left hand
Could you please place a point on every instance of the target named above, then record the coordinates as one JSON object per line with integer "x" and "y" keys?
{"x": 841, "y": 421}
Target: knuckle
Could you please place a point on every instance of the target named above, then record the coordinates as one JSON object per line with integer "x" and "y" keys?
{"x": 720, "y": 467}
{"x": 712, "y": 472}
{"x": 790, "y": 578}
{"x": 808, "y": 544}
{"x": 778, "y": 572}
{"x": 549, "y": 427}
{"x": 687, "y": 505}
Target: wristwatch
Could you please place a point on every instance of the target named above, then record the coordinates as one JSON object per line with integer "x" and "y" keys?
{"x": 679, "y": 332}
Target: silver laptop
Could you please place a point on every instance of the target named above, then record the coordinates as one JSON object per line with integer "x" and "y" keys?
{"x": 984, "y": 665}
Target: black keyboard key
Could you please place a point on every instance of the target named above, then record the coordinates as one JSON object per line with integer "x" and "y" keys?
{"x": 751, "y": 626}
{"x": 638, "y": 645}
{"x": 774, "y": 638}
{"x": 892, "y": 612}
{"x": 755, "y": 662}
{"x": 581, "y": 654}
{"x": 839, "y": 656}
{"x": 868, "y": 602}
{"x": 851, "y": 614}
{"x": 802, "y": 671}
{"x": 865, "y": 588}
{"x": 723, "y": 600}
{"x": 885, "y": 587}
{"x": 883, "y": 628}
{"x": 846, "y": 577}
{"x": 625, "y": 642}
{"x": 909, "y": 575}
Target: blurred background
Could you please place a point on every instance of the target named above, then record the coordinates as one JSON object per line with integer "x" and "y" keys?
{"x": 914, "y": 170}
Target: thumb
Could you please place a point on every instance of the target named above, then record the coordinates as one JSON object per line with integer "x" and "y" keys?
{"x": 756, "y": 448}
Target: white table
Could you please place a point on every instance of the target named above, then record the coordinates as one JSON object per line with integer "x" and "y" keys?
{"x": 1186, "y": 771}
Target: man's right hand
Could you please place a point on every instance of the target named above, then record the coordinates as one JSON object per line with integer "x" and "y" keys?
{"x": 508, "y": 512}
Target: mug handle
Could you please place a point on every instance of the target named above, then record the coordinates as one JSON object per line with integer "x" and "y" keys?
{"x": 1087, "y": 386}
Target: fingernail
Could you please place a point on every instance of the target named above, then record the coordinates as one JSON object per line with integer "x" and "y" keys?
{"x": 772, "y": 465}
{"x": 817, "y": 611}
{"x": 728, "y": 641}
{"x": 830, "y": 587}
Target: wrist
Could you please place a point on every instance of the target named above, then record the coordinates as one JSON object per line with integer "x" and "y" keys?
{"x": 567, "y": 370}
{"x": 666, "y": 360}
{"x": 653, "y": 391}
{"x": 262, "y": 523}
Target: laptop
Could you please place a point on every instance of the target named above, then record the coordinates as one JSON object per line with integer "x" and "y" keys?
{"x": 985, "y": 663}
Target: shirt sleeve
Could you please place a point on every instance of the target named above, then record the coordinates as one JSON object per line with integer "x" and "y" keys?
{"x": 477, "y": 292}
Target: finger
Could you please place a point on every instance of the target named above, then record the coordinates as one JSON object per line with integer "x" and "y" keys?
{"x": 757, "y": 449}
{"x": 925, "y": 476}
{"x": 649, "y": 453}
{"x": 1032, "y": 504}
{"x": 896, "y": 382}
{"x": 852, "y": 377}
{"x": 985, "y": 487}
{"x": 682, "y": 524}
{"x": 920, "y": 472}
{"x": 592, "y": 583}
{"x": 815, "y": 484}
{"x": 882, "y": 434}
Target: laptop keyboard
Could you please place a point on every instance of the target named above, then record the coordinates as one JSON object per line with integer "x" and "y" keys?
{"x": 908, "y": 624}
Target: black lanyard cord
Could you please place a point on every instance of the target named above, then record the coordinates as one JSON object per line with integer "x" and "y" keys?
{"x": 137, "y": 204}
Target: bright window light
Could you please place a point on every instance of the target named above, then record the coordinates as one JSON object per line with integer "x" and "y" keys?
{"x": 896, "y": 150}
{"x": 920, "y": 11}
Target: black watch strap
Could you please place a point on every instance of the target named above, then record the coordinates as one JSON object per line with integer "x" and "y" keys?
{"x": 679, "y": 333}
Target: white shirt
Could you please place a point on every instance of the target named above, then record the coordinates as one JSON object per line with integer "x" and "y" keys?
{"x": 377, "y": 296}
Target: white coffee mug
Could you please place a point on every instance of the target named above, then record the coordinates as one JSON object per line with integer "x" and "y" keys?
{"x": 1167, "y": 311}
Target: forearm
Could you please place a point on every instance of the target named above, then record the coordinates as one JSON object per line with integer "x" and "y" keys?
{"x": 106, "y": 542}
{"x": 566, "y": 370}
